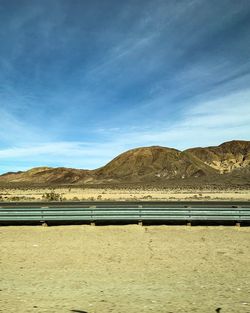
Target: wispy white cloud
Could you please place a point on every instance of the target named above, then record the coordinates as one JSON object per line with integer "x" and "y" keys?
{"x": 66, "y": 154}
{"x": 208, "y": 123}
{"x": 12, "y": 130}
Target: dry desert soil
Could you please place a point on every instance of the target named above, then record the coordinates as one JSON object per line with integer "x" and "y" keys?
{"x": 128, "y": 194}
{"x": 124, "y": 269}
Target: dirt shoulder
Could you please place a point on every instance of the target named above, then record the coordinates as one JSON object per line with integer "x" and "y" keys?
{"x": 124, "y": 269}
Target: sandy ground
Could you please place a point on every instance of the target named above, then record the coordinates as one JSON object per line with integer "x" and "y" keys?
{"x": 99, "y": 269}
{"x": 79, "y": 194}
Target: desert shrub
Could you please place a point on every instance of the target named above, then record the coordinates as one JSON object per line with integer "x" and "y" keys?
{"x": 147, "y": 197}
{"x": 52, "y": 196}
{"x": 14, "y": 198}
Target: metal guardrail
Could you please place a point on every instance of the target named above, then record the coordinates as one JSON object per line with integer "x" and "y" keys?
{"x": 92, "y": 214}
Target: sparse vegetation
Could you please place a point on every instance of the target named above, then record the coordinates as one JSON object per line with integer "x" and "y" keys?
{"x": 148, "y": 197}
{"x": 52, "y": 196}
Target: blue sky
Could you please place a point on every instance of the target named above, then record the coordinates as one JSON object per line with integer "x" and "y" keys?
{"x": 82, "y": 81}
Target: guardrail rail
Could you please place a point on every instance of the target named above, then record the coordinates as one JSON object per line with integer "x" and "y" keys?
{"x": 123, "y": 213}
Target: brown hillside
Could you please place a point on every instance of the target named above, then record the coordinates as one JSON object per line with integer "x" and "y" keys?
{"x": 46, "y": 175}
{"x": 151, "y": 164}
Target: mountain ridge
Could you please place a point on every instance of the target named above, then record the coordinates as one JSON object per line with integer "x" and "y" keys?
{"x": 148, "y": 164}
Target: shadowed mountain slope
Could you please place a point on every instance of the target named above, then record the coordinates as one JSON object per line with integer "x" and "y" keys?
{"x": 150, "y": 164}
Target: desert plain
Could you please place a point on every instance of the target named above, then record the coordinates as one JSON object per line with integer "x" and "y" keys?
{"x": 124, "y": 193}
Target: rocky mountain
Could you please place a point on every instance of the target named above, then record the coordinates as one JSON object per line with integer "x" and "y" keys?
{"x": 225, "y": 157}
{"x": 150, "y": 164}
{"x": 153, "y": 163}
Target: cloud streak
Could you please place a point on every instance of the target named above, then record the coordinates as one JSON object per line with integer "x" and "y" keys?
{"x": 214, "y": 121}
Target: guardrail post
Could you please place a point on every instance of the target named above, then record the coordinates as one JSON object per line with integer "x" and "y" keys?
{"x": 92, "y": 222}
{"x": 44, "y": 224}
{"x": 189, "y": 223}
{"x": 237, "y": 224}
{"x": 140, "y": 223}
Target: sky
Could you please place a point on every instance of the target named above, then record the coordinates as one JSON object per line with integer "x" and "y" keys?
{"x": 84, "y": 80}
